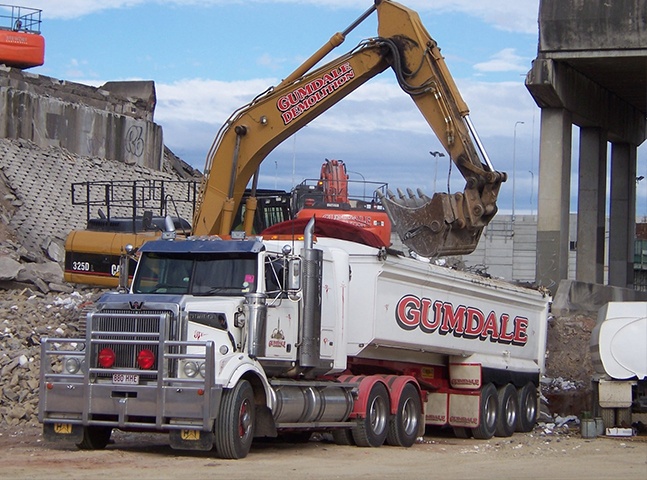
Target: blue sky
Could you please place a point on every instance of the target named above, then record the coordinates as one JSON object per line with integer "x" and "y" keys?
{"x": 209, "y": 57}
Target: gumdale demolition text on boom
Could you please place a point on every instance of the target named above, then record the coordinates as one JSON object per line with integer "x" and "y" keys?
{"x": 301, "y": 99}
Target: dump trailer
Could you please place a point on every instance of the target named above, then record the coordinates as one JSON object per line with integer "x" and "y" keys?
{"x": 619, "y": 356}
{"x": 218, "y": 341}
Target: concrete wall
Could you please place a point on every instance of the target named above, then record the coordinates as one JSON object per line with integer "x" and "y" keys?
{"x": 592, "y": 25}
{"x": 88, "y": 121}
{"x": 508, "y": 248}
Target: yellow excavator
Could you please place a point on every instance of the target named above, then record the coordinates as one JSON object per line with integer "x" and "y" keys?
{"x": 445, "y": 224}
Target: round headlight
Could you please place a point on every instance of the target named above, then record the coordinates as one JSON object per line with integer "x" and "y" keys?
{"x": 202, "y": 368}
{"x": 190, "y": 369}
{"x": 72, "y": 365}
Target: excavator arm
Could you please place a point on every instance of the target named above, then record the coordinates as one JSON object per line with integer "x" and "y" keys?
{"x": 442, "y": 225}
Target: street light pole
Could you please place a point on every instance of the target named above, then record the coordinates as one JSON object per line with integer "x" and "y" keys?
{"x": 514, "y": 166}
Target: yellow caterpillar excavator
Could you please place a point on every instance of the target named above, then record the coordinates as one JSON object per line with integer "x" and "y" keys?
{"x": 445, "y": 224}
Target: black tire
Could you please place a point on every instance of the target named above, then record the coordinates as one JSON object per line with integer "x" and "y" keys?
{"x": 234, "y": 430}
{"x": 488, "y": 410}
{"x": 343, "y": 436}
{"x": 528, "y": 408}
{"x": 371, "y": 431}
{"x": 95, "y": 438}
{"x": 506, "y": 421}
{"x": 403, "y": 427}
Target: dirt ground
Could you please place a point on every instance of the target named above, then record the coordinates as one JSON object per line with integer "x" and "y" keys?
{"x": 536, "y": 455}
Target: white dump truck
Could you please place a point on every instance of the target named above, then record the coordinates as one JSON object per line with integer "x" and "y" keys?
{"x": 619, "y": 356}
{"x": 219, "y": 341}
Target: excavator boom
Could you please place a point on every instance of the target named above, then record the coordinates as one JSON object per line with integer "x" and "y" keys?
{"x": 444, "y": 224}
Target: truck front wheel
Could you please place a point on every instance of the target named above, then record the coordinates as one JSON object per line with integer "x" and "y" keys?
{"x": 95, "y": 438}
{"x": 371, "y": 430}
{"x": 234, "y": 430}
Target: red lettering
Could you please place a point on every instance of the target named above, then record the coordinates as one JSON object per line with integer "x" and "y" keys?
{"x": 463, "y": 321}
{"x": 490, "y": 328}
{"x": 453, "y": 320}
{"x": 504, "y": 336}
{"x": 520, "y": 335}
{"x": 407, "y": 312}
{"x": 426, "y": 324}
{"x": 474, "y": 323}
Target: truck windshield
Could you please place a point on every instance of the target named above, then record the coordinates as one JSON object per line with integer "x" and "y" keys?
{"x": 204, "y": 274}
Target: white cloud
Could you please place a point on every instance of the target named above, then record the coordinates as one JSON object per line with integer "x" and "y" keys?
{"x": 504, "y": 61}
{"x": 377, "y": 121}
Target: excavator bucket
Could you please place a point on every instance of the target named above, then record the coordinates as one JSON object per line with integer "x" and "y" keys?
{"x": 431, "y": 227}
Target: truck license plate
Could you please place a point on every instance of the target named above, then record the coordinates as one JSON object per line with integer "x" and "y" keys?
{"x": 125, "y": 379}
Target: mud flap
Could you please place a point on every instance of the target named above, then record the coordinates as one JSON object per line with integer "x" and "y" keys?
{"x": 187, "y": 439}
{"x": 62, "y": 432}
{"x": 431, "y": 227}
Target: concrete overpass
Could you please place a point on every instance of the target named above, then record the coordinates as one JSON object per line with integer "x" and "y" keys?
{"x": 591, "y": 71}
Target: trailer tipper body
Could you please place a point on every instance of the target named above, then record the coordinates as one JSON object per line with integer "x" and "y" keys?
{"x": 220, "y": 341}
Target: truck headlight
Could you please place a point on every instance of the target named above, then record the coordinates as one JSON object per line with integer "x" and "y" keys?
{"x": 191, "y": 369}
{"x": 72, "y": 365}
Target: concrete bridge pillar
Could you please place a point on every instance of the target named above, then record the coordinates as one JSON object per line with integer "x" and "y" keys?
{"x": 591, "y": 205}
{"x": 622, "y": 218}
{"x": 554, "y": 196}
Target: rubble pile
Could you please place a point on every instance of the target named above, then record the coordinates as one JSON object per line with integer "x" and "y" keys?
{"x": 27, "y": 316}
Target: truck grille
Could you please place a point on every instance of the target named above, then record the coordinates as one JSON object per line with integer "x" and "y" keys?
{"x": 127, "y": 334}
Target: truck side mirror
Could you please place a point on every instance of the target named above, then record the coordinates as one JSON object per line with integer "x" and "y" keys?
{"x": 294, "y": 275}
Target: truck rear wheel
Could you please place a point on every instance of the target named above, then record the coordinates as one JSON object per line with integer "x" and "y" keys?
{"x": 527, "y": 416}
{"x": 403, "y": 427}
{"x": 371, "y": 430}
{"x": 95, "y": 438}
{"x": 488, "y": 409}
{"x": 506, "y": 421}
{"x": 234, "y": 430}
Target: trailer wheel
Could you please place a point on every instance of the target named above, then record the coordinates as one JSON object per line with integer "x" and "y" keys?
{"x": 95, "y": 438}
{"x": 234, "y": 430}
{"x": 403, "y": 427}
{"x": 488, "y": 407}
{"x": 506, "y": 421}
{"x": 371, "y": 431}
{"x": 527, "y": 416}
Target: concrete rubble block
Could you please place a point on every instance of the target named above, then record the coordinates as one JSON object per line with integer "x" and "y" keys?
{"x": 10, "y": 269}
{"x": 50, "y": 272}
{"x": 60, "y": 287}
{"x": 56, "y": 251}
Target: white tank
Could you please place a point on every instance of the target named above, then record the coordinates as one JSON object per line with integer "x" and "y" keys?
{"x": 619, "y": 340}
